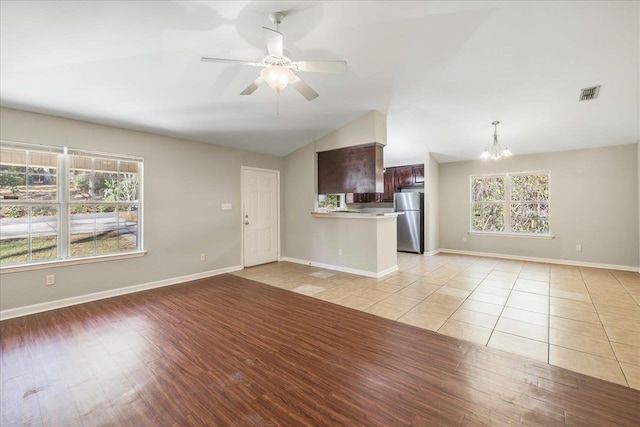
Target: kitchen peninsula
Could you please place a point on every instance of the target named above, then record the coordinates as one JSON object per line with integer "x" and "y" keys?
{"x": 363, "y": 243}
{"x": 356, "y": 242}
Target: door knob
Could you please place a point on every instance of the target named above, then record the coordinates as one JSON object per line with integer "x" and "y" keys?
{"x": 246, "y": 223}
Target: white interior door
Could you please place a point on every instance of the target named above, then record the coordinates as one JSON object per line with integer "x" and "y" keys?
{"x": 260, "y": 216}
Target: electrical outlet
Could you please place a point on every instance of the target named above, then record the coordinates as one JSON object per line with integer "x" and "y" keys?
{"x": 50, "y": 279}
{"x": 464, "y": 240}
{"x": 339, "y": 251}
{"x": 203, "y": 257}
{"x": 578, "y": 248}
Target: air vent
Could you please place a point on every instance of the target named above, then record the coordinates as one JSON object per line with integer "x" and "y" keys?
{"x": 589, "y": 93}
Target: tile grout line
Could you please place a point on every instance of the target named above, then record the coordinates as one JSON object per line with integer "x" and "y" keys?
{"x": 505, "y": 303}
{"x": 439, "y": 287}
{"x": 456, "y": 309}
{"x": 476, "y": 259}
{"x": 606, "y": 334}
{"x": 623, "y": 287}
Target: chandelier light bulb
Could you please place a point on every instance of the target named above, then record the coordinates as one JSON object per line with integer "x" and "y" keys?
{"x": 277, "y": 76}
{"x": 496, "y": 152}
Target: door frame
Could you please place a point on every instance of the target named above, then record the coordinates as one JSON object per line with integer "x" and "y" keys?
{"x": 242, "y": 170}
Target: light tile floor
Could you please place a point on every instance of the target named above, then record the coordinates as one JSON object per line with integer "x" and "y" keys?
{"x": 583, "y": 319}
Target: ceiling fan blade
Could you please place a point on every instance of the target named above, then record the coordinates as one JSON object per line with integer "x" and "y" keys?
{"x": 303, "y": 88}
{"x": 232, "y": 61}
{"x": 275, "y": 42}
{"x": 321, "y": 66}
{"x": 253, "y": 86}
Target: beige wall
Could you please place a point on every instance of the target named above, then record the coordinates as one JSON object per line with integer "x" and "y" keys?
{"x": 372, "y": 127}
{"x": 594, "y": 203}
{"x": 299, "y": 189}
{"x": 432, "y": 203}
{"x": 185, "y": 183}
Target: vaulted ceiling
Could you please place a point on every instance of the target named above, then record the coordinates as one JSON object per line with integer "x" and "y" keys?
{"x": 440, "y": 71}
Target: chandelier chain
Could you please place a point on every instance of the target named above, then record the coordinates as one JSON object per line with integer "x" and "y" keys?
{"x": 496, "y": 152}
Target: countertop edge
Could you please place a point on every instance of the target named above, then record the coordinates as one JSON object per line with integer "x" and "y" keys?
{"x": 362, "y": 215}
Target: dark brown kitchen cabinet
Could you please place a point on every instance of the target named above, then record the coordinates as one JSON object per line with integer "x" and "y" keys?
{"x": 404, "y": 176}
{"x": 351, "y": 170}
{"x": 410, "y": 176}
{"x": 361, "y": 197}
{"x": 401, "y": 176}
{"x": 389, "y": 185}
{"x": 418, "y": 174}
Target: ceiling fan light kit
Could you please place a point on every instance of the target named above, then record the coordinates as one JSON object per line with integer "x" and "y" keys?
{"x": 278, "y": 66}
{"x": 277, "y": 76}
{"x": 496, "y": 152}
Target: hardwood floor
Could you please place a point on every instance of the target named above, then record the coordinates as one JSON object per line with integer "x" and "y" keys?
{"x": 230, "y": 351}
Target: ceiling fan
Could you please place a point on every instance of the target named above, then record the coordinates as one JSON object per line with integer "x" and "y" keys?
{"x": 278, "y": 66}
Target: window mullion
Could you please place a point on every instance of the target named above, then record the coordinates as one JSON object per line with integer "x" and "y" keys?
{"x": 95, "y": 227}
{"x": 30, "y": 234}
{"x": 140, "y": 207}
{"x": 63, "y": 205}
{"x": 507, "y": 208}
{"x": 27, "y": 156}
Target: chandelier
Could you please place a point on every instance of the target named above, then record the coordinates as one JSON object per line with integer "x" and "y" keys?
{"x": 496, "y": 152}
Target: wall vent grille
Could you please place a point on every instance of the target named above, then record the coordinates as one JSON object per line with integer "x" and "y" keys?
{"x": 589, "y": 93}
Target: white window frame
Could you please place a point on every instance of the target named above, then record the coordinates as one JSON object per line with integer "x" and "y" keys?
{"x": 507, "y": 206}
{"x": 342, "y": 204}
{"x": 63, "y": 204}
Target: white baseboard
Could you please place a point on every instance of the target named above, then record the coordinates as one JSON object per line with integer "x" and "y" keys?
{"x": 387, "y": 271}
{"x": 66, "y": 302}
{"x": 341, "y": 268}
{"x": 53, "y": 305}
{"x": 545, "y": 260}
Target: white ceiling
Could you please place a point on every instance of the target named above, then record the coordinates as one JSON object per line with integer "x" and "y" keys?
{"x": 440, "y": 71}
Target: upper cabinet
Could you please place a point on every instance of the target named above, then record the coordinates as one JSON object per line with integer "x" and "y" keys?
{"x": 351, "y": 170}
{"x": 401, "y": 176}
{"x": 389, "y": 184}
{"x": 418, "y": 175}
{"x": 404, "y": 176}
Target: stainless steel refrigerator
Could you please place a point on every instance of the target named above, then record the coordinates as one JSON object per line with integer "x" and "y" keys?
{"x": 411, "y": 224}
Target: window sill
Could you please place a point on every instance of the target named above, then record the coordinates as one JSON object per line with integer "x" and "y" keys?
{"x": 525, "y": 236}
{"x": 67, "y": 262}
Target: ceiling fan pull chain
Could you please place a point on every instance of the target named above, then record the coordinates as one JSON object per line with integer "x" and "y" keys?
{"x": 278, "y": 104}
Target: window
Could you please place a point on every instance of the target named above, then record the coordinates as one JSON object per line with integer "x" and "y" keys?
{"x": 515, "y": 203}
{"x": 331, "y": 202}
{"x": 58, "y": 203}
{"x": 30, "y": 202}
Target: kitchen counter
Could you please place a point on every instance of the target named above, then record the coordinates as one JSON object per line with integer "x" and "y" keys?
{"x": 356, "y": 215}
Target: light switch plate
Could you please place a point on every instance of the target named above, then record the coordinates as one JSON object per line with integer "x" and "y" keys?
{"x": 226, "y": 206}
